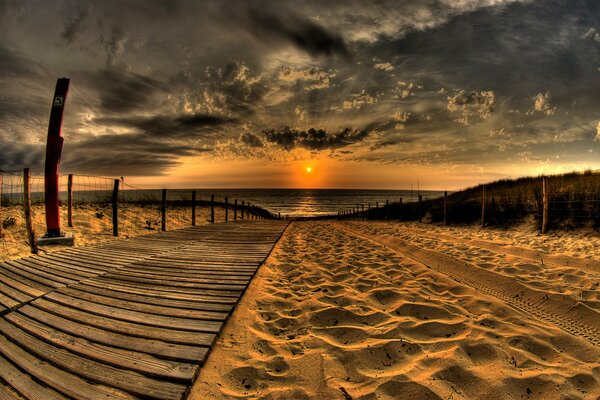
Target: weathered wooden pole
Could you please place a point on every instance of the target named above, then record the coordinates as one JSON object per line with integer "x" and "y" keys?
{"x": 235, "y": 210}
{"x": 163, "y": 211}
{"x": 226, "y": 209}
{"x": 242, "y": 210}
{"x": 483, "y": 205}
{"x": 193, "y": 208}
{"x": 27, "y": 209}
{"x": 445, "y": 207}
{"x": 54, "y": 147}
{"x": 212, "y": 208}
{"x": 364, "y": 216}
{"x": 115, "y": 208}
{"x": 70, "y": 201}
{"x": 419, "y": 208}
{"x": 545, "y": 205}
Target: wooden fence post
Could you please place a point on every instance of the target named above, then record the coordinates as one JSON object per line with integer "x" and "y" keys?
{"x": 445, "y": 207}
{"x": 387, "y": 210}
{"x": 242, "y": 210}
{"x": 27, "y": 209}
{"x": 115, "y": 208}
{"x": 364, "y": 216}
{"x": 483, "y": 206}
{"x": 70, "y": 201}
{"x": 400, "y": 210}
{"x": 212, "y": 208}
{"x": 546, "y": 196}
{"x": 193, "y": 208}
{"x": 226, "y": 209}
{"x": 163, "y": 211}
{"x": 419, "y": 208}
{"x": 235, "y": 210}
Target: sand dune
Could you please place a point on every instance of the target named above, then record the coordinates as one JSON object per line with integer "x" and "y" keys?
{"x": 334, "y": 314}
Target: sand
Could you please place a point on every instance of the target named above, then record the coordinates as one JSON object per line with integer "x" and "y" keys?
{"x": 362, "y": 310}
{"x": 92, "y": 223}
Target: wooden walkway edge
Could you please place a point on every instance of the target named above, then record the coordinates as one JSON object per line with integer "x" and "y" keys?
{"x": 132, "y": 318}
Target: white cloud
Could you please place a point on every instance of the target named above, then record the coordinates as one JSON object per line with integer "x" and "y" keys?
{"x": 597, "y": 132}
{"x": 541, "y": 103}
{"x": 316, "y": 78}
{"x": 356, "y": 101}
{"x": 473, "y": 104}
{"x": 384, "y": 67}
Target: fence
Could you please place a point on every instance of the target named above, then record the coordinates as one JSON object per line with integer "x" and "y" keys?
{"x": 555, "y": 202}
{"x": 97, "y": 208}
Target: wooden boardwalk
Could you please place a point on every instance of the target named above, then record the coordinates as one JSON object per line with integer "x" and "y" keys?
{"x": 130, "y": 318}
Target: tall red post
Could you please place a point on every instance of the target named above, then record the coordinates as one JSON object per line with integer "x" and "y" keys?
{"x": 53, "y": 151}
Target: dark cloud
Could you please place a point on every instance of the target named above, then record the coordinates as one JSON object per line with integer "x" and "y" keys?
{"x": 15, "y": 65}
{"x": 170, "y": 126}
{"x": 14, "y": 156}
{"x": 251, "y": 140}
{"x": 75, "y": 25}
{"x": 126, "y": 154}
{"x": 123, "y": 92}
{"x": 314, "y": 139}
{"x": 297, "y": 30}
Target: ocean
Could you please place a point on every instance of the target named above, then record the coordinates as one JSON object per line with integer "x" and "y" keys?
{"x": 289, "y": 202}
{"x": 313, "y": 202}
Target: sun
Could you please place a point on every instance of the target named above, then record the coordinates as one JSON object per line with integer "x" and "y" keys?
{"x": 308, "y": 170}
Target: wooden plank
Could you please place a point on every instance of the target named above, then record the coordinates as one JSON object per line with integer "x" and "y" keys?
{"x": 135, "y": 316}
{"x": 53, "y": 377}
{"x": 201, "y": 283}
{"x": 132, "y": 289}
{"x": 122, "y": 379}
{"x": 18, "y": 285}
{"x": 127, "y": 328}
{"x": 127, "y": 359}
{"x": 69, "y": 262}
{"x": 166, "y": 288}
{"x": 23, "y": 384}
{"x": 158, "y": 348}
{"x": 144, "y": 307}
{"x": 32, "y": 274}
{"x": 154, "y": 298}
{"x": 55, "y": 273}
{"x": 13, "y": 273}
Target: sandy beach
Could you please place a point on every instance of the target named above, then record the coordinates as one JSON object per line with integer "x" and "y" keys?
{"x": 92, "y": 223}
{"x": 363, "y": 310}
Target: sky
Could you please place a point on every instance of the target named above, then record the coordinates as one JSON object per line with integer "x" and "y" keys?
{"x": 369, "y": 94}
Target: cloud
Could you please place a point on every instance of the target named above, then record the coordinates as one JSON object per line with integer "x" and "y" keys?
{"x": 541, "y": 103}
{"x": 592, "y": 34}
{"x": 356, "y": 101}
{"x": 597, "y": 137}
{"x": 75, "y": 25}
{"x": 251, "y": 140}
{"x": 126, "y": 154}
{"x": 297, "y": 30}
{"x": 122, "y": 92}
{"x": 114, "y": 45}
{"x": 15, "y": 156}
{"x": 472, "y": 104}
{"x": 387, "y": 67}
{"x": 164, "y": 126}
{"x": 314, "y": 139}
{"x": 315, "y": 77}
